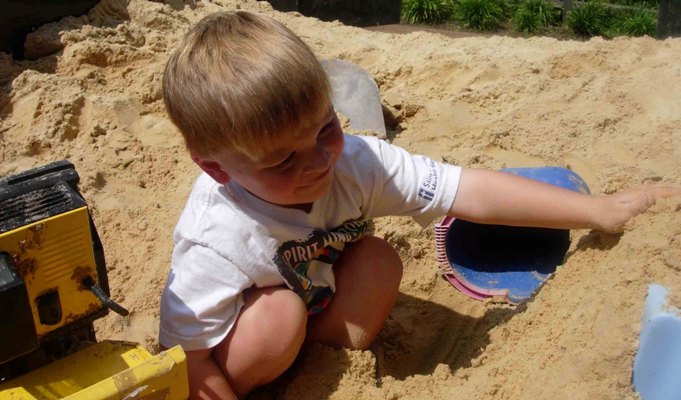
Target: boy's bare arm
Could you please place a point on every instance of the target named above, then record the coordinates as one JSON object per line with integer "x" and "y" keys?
{"x": 493, "y": 197}
{"x": 206, "y": 380}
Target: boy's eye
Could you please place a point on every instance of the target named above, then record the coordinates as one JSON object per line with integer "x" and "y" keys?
{"x": 326, "y": 129}
{"x": 287, "y": 161}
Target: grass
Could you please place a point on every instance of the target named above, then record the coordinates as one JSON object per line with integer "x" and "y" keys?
{"x": 637, "y": 3}
{"x": 425, "y": 11}
{"x": 637, "y": 22}
{"x": 533, "y": 15}
{"x": 591, "y": 18}
{"x": 483, "y": 15}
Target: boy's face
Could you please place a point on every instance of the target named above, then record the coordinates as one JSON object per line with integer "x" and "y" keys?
{"x": 298, "y": 171}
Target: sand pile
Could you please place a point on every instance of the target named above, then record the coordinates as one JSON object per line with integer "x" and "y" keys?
{"x": 609, "y": 110}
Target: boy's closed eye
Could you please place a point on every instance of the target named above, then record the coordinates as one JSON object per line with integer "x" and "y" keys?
{"x": 326, "y": 129}
{"x": 287, "y": 161}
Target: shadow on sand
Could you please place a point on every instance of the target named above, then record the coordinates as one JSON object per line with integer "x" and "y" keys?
{"x": 418, "y": 336}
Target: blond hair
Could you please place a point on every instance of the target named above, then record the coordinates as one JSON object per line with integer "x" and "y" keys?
{"x": 240, "y": 82}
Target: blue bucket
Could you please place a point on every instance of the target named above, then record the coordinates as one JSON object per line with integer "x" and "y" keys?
{"x": 504, "y": 262}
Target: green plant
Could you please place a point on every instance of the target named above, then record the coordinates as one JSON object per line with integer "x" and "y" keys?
{"x": 425, "y": 11}
{"x": 479, "y": 14}
{"x": 532, "y": 15}
{"x": 590, "y": 19}
{"x": 639, "y": 3}
{"x": 526, "y": 21}
{"x": 638, "y": 22}
{"x": 511, "y": 7}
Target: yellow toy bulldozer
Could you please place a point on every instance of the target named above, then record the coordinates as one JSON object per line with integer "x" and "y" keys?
{"x": 53, "y": 285}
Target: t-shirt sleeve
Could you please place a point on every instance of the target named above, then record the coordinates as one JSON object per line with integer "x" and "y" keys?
{"x": 202, "y": 297}
{"x": 412, "y": 185}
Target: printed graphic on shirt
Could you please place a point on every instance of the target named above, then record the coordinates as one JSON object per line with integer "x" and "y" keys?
{"x": 306, "y": 265}
{"x": 429, "y": 185}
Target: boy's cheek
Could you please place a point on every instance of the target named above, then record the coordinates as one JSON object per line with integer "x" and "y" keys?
{"x": 336, "y": 144}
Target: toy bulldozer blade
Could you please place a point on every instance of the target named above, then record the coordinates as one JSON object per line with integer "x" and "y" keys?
{"x": 53, "y": 286}
{"x": 105, "y": 370}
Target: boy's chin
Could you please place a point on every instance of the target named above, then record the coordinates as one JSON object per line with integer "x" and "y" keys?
{"x": 301, "y": 196}
{"x": 313, "y": 193}
{"x": 307, "y": 196}
{"x": 301, "y": 199}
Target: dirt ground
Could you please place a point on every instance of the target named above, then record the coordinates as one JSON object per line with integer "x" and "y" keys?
{"x": 609, "y": 110}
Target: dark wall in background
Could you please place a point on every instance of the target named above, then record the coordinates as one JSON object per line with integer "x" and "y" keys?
{"x": 285, "y": 5}
{"x": 669, "y": 19}
{"x": 350, "y": 12}
{"x": 19, "y": 17}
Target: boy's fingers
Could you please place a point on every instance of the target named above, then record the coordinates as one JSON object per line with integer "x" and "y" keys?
{"x": 648, "y": 195}
{"x": 668, "y": 191}
{"x": 648, "y": 199}
{"x": 655, "y": 191}
{"x": 660, "y": 191}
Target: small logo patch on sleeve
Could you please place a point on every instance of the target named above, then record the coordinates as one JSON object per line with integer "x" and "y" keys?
{"x": 426, "y": 194}
{"x": 429, "y": 184}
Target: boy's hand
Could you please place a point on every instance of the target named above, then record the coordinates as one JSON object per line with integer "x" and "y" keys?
{"x": 619, "y": 208}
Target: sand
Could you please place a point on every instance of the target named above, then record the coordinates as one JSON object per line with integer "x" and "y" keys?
{"x": 609, "y": 110}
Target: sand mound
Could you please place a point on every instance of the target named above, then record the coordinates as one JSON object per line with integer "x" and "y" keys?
{"x": 606, "y": 109}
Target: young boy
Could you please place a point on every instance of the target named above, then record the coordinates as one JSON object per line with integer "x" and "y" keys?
{"x": 271, "y": 250}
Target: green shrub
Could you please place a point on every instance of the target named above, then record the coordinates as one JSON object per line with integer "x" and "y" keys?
{"x": 425, "y": 11}
{"x": 526, "y": 21}
{"x": 589, "y": 19}
{"x": 511, "y": 7}
{"x": 637, "y": 22}
{"x": 637, "y": 3}
{"x": 532, "y": 15}
{"x": 483, "y": 15}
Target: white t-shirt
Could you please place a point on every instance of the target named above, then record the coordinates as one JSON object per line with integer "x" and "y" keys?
{"x": 228, "y": 240}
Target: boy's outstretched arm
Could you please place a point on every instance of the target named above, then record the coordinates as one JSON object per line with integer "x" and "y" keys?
{"x": 502, "y": 198}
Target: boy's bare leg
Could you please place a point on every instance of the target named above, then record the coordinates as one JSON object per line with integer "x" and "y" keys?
{"x": 368, "y": 275}
{"x": 263, "y": 343}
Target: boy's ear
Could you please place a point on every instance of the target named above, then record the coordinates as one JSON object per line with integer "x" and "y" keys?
{"x": 213, "y": 169}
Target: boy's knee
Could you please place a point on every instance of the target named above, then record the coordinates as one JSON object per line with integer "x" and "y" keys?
{"x": 272, "y": 326}
{"x": 280, "y": 312}
{"x": 266, "y": 339}
{"x": 387, "y": 260}
{"x": 285, "y": 305}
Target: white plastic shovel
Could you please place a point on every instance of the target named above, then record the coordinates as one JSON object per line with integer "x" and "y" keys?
{"x": 656, "y": 366}
{"x": 355, "y": 94}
